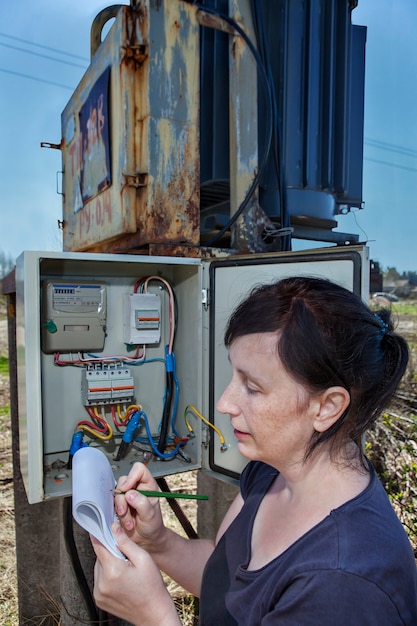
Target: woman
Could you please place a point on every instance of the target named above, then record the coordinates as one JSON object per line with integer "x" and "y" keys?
{"x": 312, "y": 538}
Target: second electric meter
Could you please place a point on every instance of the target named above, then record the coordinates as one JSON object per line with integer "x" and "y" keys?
{"x": 73, "y": 316}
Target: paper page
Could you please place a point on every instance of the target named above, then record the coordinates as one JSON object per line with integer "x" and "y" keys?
{"x": 92, "y": 497}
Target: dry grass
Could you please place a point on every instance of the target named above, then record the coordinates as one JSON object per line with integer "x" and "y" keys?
{"x": 8, "y": 580}
{"x": 392, "y": 443}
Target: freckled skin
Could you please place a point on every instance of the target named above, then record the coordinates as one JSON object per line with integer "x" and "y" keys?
{"x": 271, "y": 413}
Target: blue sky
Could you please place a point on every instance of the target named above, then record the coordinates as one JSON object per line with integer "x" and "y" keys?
{"x": 35, "y": 87}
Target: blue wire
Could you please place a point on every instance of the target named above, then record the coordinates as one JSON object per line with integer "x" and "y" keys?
{"x": 177, "y": 392}
{"x": 155, "y": 450}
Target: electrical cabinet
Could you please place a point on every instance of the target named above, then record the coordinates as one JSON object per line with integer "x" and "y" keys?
{"x": 99, "y": 336}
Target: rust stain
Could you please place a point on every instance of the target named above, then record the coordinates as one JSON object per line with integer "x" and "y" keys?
{"x": 213, "y": 21}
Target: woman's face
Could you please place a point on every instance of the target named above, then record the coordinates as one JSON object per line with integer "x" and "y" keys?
{"x": 271, "y": 413}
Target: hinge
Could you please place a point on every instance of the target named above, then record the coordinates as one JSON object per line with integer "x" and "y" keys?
{"x": 205, "y": 436}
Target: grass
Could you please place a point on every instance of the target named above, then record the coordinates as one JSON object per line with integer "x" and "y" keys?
{"x": 8, "y": 582}
{"x": 405, "y": 308}
{"x": 4, "y": 365}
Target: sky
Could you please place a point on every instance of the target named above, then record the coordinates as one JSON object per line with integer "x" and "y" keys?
{"x": 45, "y": 49}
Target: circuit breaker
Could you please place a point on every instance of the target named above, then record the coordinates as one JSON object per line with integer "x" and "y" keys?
{"x": 142, "y": 318}
{"x": 132, "y": 361}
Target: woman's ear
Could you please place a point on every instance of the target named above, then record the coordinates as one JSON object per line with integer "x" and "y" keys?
{"x": 331, "y": 404}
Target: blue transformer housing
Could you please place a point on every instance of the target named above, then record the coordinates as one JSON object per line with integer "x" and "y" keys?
{"x": 315, "y": 58}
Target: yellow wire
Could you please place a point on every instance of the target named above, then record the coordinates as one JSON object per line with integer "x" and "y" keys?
{"x": 96, "y": 433}
{"x": 109, "y": 435}
{"x": 204, "y": 419}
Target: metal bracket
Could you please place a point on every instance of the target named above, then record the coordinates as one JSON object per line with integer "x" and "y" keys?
{"x": 137, "y": 53}
{"x": 136, "y": 180}
{"x": 47, "y": 144}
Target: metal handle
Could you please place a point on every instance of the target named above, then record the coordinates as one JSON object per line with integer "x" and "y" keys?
{"x": 98, "y": 24}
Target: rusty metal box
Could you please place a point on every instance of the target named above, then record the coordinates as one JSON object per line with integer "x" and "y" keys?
{"x": 130, "y": 134}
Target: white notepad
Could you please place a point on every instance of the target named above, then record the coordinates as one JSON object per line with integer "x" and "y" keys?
{"x": 92, "y": 496}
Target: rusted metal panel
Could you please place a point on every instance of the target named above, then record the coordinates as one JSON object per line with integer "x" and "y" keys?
{"x": 130, "y": 134}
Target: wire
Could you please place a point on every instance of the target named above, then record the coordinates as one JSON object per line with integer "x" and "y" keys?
{"x": 99, "y": 427}
{"x": 390, "y": 147}
{"x": 192, "y": 408}
{"x": 177, "y": 392}
{"x": 141, "y": 286}
{"x": 164, "y": 456}
{"x": 271, "y": 231}
{"x": 123, "y": 419}
{"x": 39, "y": 54}
{"x": 39, "y": 45}
{"x": 38, "y": 80}
{"x": 401, "y": 167}
{"x": 169, "y": 375}
{"x": 81, "y": 361}
{"x": 76, "y": 563}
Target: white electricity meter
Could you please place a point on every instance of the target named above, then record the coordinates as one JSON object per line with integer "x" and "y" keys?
{"x": 73, "y": 316}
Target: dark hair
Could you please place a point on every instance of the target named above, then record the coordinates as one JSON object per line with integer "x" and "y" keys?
{"x": 328, "y": 337}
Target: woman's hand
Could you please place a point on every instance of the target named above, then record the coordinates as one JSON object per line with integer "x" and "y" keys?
{"x": 140, "y": 515}
{"x": 133, "y": 589}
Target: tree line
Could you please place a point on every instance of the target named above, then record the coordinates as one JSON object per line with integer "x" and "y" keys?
{"x": 392, "y": 274}
{"x": 7, "y": 263}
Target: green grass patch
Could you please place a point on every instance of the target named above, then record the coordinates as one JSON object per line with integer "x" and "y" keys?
{"x": 4, "y": 410}
{"x": 405, "y": 308}
{"x": 4, "y": 365}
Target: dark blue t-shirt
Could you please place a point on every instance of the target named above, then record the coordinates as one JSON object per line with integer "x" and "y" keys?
{"x": 355, "y": 568}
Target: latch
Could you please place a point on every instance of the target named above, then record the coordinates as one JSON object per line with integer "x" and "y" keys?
{"x": 205, "y": 298}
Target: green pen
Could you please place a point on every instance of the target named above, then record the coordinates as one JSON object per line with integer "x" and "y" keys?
{"x": 165, "y": 494}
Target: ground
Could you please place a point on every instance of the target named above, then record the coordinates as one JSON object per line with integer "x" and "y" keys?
{"x": 8, "y": 582}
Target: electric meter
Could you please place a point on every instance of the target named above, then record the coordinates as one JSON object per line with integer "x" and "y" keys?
{"x": 73, "y": 316}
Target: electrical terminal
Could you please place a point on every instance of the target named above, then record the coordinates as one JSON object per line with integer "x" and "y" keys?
{"x": 185, "y": 457}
